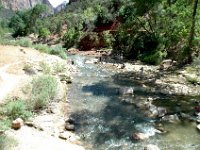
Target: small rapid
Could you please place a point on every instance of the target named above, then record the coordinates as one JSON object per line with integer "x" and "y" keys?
{"x": 105, "y": 121}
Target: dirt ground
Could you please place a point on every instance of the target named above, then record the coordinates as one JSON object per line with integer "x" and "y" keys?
{"x": 12, "y": 79}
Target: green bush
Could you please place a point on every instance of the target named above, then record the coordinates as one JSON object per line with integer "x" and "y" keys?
{"x": 108, "y": 39}
{"x": 24, "y": 42}
{"x": 59, "y": 50}
{"x": 153, "y": 58}
{"x": 44, "y": 33}
{"x": 71, "y": 38}
{"x": 16, "y": 109}
{"x": 43, "y": 91}
{"x": 42, "y": 48}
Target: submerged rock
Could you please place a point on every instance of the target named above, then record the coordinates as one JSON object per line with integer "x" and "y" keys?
{"x": 171, "y": 118}
{"x": 126, "y": 91}
{"x": 156, "y": 111}
{"x": 140, "y": 136}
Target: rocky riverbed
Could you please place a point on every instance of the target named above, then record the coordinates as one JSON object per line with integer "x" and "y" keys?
{"x": 163, "y": 97}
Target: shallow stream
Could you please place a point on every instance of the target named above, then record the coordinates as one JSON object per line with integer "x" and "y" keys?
{"x": 104, "y": 121}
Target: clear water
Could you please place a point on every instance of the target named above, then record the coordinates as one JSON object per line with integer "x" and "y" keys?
{"x": 105, "y": 122}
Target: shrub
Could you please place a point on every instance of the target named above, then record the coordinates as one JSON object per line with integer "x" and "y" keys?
{"x": 153, "y": 58}
{"x": 44, "y": 33}
{"x": 71, "y": 38}
{"x": 58, "y": 67}
{"x": 7, "y": 142}
{"x": 42, "y": 48}
{"x": 45, "y": 67}
{"x": 24, "y": 42}
{"x": 108, "y": 39}
{"x": 43, "y": 91}
{"x": 18, "y": 108}
{"x": 59, "y": 50}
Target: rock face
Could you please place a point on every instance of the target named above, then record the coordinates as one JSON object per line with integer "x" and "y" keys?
{"x": 60, "y": 7}
{"x": 23, "y": 4}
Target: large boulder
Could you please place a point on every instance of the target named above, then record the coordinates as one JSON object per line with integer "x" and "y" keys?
{"x": 17, "y": 123}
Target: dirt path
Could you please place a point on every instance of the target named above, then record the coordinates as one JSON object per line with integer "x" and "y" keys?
{"x": 8, "y": 81}
{"x": 32, "y": 139}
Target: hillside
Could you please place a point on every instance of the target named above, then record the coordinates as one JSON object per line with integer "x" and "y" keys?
{"x": 23, "y": 4}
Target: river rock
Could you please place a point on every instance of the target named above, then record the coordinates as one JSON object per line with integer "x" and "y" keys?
{"x": 69, "y": 127}
{"x": 126, "y": 91}
{"x": 156, "y": 111}
{"x": 65, "y": 135}
{"x": 140, "y": 136}
{"x": 151, "y": 147}
{"x": 166, "y": 64}
{"x": 17, "y": 123}
{"x": 198, "y": 127}
{"x": 171, "y": 118}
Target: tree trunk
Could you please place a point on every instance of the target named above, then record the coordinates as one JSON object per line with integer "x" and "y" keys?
{"x": 192, "y": 31}
{"x": 169, "y": 3}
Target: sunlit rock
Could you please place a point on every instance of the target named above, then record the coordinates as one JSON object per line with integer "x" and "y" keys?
{"x": 17, "y": 123}
{"x": 140, "y": 136}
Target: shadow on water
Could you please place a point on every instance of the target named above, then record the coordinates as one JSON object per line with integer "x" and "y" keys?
{"x": 103, "y": 120}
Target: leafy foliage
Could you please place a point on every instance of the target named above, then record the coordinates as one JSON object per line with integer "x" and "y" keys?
{"x": 23, "y": 22}
{"x": 147, "y": 30}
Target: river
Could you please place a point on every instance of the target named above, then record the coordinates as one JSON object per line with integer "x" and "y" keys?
{"x": 105, "y": 121}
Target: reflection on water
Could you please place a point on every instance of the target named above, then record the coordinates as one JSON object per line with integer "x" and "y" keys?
{"x": 105, "y": 122}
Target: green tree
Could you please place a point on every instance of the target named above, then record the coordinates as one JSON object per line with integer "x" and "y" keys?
{"x": 192, "y": 32}
{"x": 44, "y": 33}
